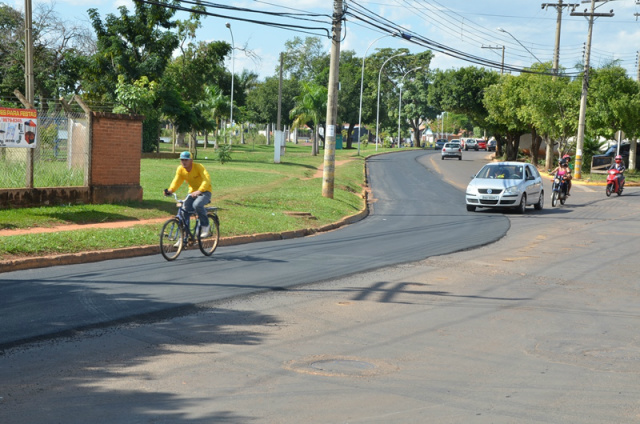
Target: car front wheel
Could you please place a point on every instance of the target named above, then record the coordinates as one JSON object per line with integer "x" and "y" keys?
{"x": 523, "y": 204}
{"x": 538, "y": 206}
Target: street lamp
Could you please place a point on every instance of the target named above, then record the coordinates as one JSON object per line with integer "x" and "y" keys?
{"x": 505, "y": 31}
{"x": 378, "y": 112}
{"x": 403, "y": 35}
{"x": 233, "y": 65}
{"x": 400, "y": 101}
{"x": 362, "y": 87}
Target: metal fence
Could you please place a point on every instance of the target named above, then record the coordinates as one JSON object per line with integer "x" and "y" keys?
{"x": 61, "y": 155}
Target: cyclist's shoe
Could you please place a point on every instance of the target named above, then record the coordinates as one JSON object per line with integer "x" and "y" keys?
{"x": 205, "y": 231}
{"x": 177, "y": 244}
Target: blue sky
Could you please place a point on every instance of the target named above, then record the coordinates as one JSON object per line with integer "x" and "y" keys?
{"x": 464, "y": 25}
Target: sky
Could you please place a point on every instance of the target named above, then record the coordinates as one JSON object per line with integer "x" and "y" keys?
{"x": 468, "y": 26}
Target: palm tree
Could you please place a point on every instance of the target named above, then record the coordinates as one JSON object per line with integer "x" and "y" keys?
{"x": 215, "y": 106}
{"x": 310, "y": 106}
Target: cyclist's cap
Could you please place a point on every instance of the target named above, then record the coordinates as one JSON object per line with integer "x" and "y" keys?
{"x": 185, "y": 155}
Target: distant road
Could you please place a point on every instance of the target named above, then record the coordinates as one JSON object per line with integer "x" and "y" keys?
{"x": 416, "y": 214}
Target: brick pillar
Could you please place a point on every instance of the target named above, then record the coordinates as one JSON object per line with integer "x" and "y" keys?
{"x": 116, "y": 149}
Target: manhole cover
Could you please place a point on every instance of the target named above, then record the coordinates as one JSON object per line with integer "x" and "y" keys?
{"x": 342, "y": 366}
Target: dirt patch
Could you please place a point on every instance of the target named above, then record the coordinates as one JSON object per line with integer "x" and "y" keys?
{"x": 320, "y": 170}
{"x": 74, "y": 227}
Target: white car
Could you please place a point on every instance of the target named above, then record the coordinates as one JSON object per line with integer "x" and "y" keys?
{"x": 452, "y": 150}
{"x": 506, "y": 185}
{"x": 470, "y": 143}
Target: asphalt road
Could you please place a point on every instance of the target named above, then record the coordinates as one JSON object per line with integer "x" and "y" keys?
{"x": 539, "y": 326}
{"x": 415, "y": 215}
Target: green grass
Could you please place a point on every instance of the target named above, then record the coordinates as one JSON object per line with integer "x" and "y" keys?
{"x": 251, "y": 191}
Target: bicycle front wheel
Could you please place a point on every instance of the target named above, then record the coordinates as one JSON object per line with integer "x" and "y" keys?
{"x": 208, "y": 244}
{"x": 171, "y": 239}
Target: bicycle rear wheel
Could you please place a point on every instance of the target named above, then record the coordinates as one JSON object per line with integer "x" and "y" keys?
{"x": 171, "y": 239}
{"x": 208, "y": 244}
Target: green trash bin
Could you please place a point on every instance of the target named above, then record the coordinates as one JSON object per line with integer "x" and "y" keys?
{"x": 339, "y": 142}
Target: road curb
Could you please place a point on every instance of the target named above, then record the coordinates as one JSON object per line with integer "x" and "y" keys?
{"x": 20, "y": 264}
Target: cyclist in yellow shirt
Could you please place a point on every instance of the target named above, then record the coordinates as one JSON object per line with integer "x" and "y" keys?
{"x": 199, "y": 189}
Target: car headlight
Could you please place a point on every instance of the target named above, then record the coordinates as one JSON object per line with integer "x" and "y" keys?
{"x": 512, "y": 190}
{"x": 472, "y": 191}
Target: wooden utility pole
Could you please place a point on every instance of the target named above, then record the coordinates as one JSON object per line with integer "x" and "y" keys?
{"x": 328, "y": 173}
{"x": 556, "y": 63}
{"x": 28, "y": 79}
{"x": 585, "y": 83}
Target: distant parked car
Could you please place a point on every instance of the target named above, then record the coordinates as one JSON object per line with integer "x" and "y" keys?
{"x": 439, "y": 144}
{"x": 600, "y": 163}
{"x": 506, "y": 185}
{"x": 491, "y": 145}
{"x": 482, "y": 144}
{"x": 470, "y": 143}
{"x": 452, "y": 150}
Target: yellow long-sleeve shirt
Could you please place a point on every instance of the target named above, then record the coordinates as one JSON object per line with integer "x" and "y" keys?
{"x": 198, "y": 178}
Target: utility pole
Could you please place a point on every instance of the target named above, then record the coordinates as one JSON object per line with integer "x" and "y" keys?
{"x": 28, "y": 78}
{"x": 497, "y": 48}
{"x": 585, "y": 82}
{"x": 328, "y": 173}
{"x": 556, "y": 63}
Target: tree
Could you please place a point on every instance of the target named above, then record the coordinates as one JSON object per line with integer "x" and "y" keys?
{"x": 306, "y": 60}
{"x": 612, "y": 103}
{"x": 551, "y": 107}
{"x": 310, "y": 109}
{"x": 416, "y": 109}
{"x": 215, "y": 106}
{"x": 60, "y": 50}
{"x": 262, "y": 101}
{"x": 503, "y": 102}
{"x": 133, "y": 45}
{"x": 462, "y": 91}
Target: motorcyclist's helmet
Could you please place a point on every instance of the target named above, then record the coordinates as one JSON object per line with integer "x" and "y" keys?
{"x": 566, "y": 157}
{"x": 618, "y": 159}
{"x": 563, "y": 162}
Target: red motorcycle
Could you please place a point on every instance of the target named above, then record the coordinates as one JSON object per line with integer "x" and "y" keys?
{"x": 613, "y": 183}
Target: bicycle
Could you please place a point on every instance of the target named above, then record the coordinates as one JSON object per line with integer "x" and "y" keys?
{"x": 177, "y": 234}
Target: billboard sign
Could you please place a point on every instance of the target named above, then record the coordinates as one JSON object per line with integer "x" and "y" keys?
{"x": 18, "y": 127}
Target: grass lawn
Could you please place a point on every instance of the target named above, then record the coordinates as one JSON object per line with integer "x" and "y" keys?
{"x": 251, "y": 191}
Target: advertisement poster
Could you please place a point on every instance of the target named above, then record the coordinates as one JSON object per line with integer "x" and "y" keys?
{"x": 18, "y": 127}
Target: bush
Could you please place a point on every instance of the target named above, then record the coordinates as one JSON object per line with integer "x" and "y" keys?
{"x": 224, "y": 153}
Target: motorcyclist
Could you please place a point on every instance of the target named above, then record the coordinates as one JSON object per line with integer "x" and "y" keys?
{"x": 618, "y": 165}
{"x": 564, "y": 171}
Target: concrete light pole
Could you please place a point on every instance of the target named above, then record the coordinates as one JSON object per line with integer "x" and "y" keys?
{"x": 556, "y": 64}
{"x": 378, "y": 112}
{"x": 233, "y": 65}
{"x": 362, "y": 88}
{"x": 585, "y": 86}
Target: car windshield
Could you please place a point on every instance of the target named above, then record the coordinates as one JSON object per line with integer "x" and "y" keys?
{"x": 510, "y": 172}
{"x": 452, "y": 145}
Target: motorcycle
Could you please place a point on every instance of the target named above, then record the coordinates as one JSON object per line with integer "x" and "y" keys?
{"x": 559, "y": 190}
{"x": 613, "y": 183}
